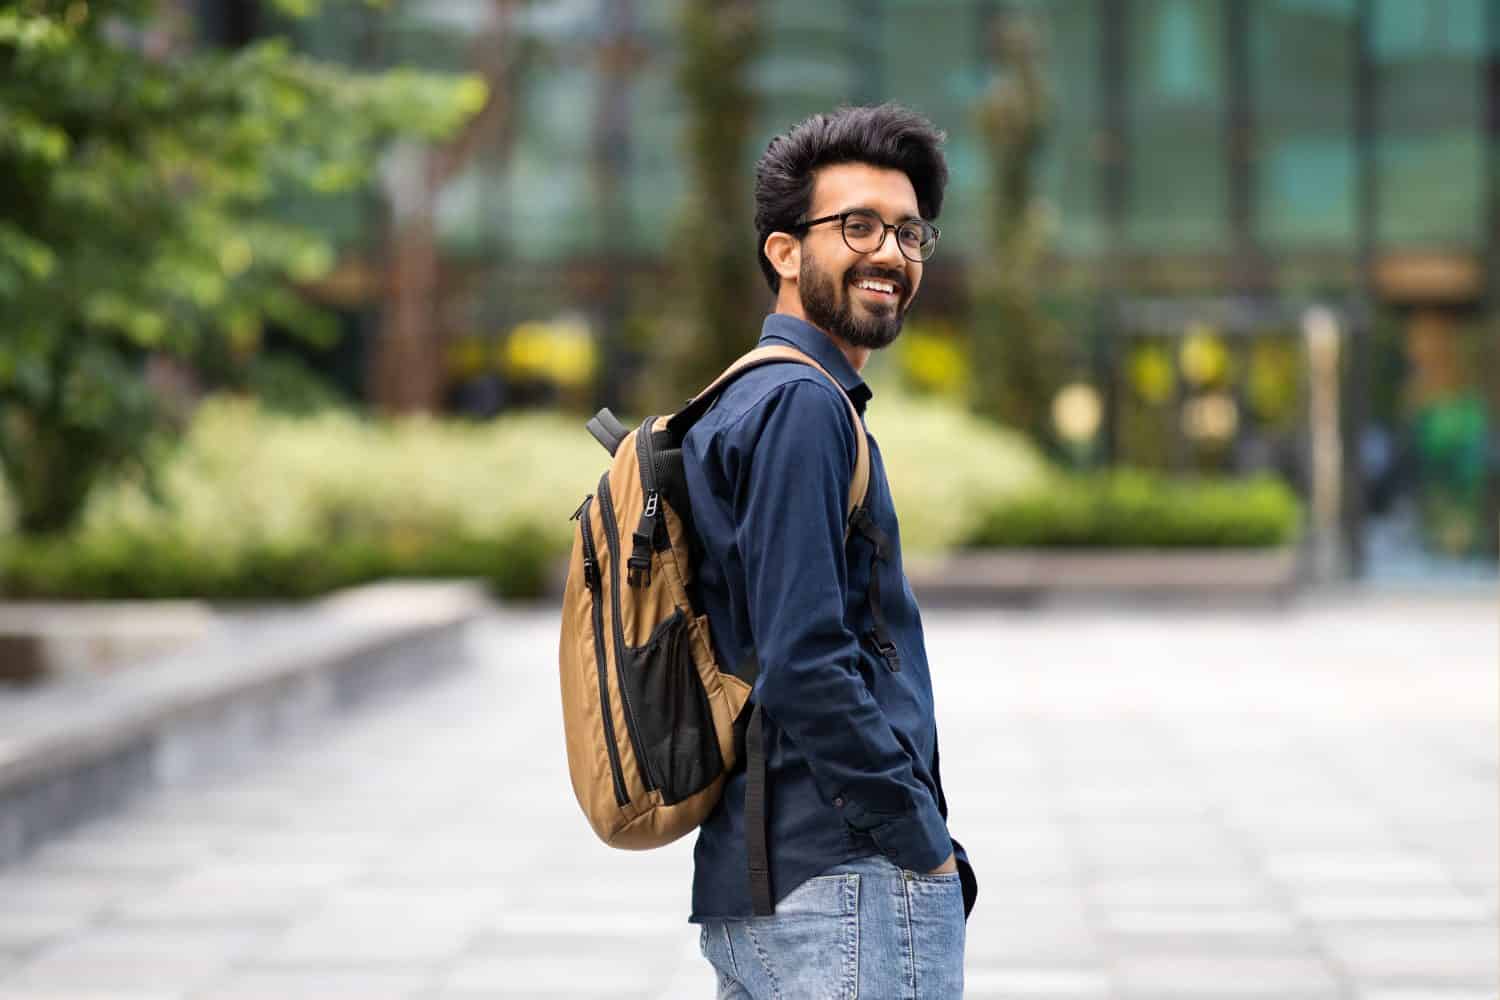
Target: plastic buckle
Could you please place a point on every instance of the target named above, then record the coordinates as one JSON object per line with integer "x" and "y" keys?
{"x": 888, "y": 652}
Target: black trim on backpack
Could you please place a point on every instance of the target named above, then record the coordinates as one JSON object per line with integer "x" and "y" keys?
{"x": 612, "y": 540}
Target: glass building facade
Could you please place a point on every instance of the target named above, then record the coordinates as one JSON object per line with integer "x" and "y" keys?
{"x": 1271, "y": 153}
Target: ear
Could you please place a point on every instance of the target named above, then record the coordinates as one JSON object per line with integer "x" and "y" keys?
{"x": 784, "y": 251}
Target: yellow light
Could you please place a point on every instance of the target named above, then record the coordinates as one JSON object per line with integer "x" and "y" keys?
{"x": 1077, "y": 412}
{"x": 1204, "y": 358}
{"x": 1151, "y": 374}
{"x": 1212, "y": 417}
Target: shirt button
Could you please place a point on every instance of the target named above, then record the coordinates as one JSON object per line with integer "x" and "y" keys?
{"x": 838, "y": 802}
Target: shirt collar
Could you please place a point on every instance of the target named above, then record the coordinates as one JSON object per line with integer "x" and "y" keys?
{"x": 815, "y": 343}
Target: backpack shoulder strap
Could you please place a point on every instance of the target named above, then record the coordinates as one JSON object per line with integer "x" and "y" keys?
{"x": 679, "y": 423}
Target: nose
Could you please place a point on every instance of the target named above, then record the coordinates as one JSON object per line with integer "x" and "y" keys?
{"x": 889, "y": 252}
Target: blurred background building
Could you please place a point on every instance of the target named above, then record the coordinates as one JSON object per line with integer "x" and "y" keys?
{"x": 1266, "y": 232}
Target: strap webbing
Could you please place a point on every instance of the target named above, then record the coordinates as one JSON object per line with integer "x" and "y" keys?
{"x": 863, "y": 523}
{"x": 755, "y": 818}
{"x": 683, "y": 419}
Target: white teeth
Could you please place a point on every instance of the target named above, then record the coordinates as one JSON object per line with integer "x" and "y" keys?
{"x": 876, "y": 286}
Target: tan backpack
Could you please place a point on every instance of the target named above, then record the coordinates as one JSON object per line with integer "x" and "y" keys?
{"x": 649, "y": 713}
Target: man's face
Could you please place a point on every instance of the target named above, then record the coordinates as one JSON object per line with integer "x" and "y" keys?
{"x": 830, "y": 275}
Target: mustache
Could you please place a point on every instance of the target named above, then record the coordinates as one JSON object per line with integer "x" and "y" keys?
{"x": 894, "y": 277}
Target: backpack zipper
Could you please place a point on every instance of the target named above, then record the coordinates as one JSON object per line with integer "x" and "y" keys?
{"x": 591, "y": 579}
{"x": 612, "y": 539}
{"x": 645, "y": 532}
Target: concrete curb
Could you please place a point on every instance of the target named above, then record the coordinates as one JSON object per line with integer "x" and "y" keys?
{"x": 77, "y": 751}
{"x": 1210, "y": 576}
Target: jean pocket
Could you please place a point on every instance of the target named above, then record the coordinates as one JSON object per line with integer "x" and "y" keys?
{"x": 939, "y": 878}
{"x": 810, "y": 946}
{"x": 935, "y": 913}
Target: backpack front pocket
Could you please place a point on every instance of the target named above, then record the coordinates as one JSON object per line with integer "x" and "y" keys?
{"x": 672, "y": 711}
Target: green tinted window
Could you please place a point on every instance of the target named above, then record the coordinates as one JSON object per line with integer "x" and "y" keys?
{"x": 1070, "y": 166}
{"x": 1302, "y": 65}
{"x": 1430, "y": 153}
{"x": 1178, "y": 190}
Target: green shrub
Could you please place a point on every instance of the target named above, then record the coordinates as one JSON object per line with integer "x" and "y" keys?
{"x": 287, "y": 385}
{"x": 1135, "y": 509}
{"x": 946, "y": 466}
{"x": 261, "y": 505}
{"x": 514, "y": 564}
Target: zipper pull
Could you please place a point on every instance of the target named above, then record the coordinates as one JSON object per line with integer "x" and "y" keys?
{"x": 645, "y": 539}
{"x": 590, "y": 574}
{"x": 579, "y": 512}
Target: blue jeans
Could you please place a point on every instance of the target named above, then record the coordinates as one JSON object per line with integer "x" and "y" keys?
{"x": 864, "y": 929}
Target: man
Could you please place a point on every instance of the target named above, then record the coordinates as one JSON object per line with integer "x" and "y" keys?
{"x": 870, "y": 891}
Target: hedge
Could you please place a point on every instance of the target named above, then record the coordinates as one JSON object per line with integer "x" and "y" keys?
{"x": 258, "y": 505}
{"x": 262, "y": 505}
{"x": 1134, "y": 509}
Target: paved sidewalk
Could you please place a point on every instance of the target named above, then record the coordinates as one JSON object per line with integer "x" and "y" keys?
{"x": 1214, "y": 805}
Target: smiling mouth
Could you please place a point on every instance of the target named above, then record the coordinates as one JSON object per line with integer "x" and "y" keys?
{"x": 877, "y": 286}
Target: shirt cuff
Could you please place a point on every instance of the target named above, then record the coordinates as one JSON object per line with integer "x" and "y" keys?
{"x": 917, "y": 842}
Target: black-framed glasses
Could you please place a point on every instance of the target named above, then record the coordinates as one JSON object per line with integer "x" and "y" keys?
{"x": 864, "y": 232}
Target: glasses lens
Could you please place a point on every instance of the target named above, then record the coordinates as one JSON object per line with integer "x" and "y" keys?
{"x": 917, "y": 239}
{"x": 863, "y": 231}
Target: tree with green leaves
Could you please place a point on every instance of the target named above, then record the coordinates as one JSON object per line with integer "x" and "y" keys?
{"x": 1013, "y": 337}
{"x": 719, "y": 295}
{"x": 136, "y": 217}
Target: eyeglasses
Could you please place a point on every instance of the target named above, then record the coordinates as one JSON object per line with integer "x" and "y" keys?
{"x": 864, "y": 232}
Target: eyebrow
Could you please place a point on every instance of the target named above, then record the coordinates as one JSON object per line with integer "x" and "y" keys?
{"x": 874, "y": 211}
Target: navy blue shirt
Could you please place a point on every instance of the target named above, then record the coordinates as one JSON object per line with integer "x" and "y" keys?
{"x": 851, "y": 745}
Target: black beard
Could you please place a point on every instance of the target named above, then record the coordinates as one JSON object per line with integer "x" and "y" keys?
{"x": 834, "y": 314}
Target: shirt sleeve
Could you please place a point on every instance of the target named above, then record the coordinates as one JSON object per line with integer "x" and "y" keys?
{"x": 793, "y": 456}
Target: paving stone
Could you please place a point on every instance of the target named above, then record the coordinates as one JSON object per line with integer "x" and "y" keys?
{"x": 356, "y": 936}
{"x": 1011, "y": 932}
{"x": 185, "y": 904}
{"x": 1137, "y": 833}
{"x": 1463, "y": 955}
{"x": 23, "y": 931}
{"x": 26, "y": 889}
{"x": 101, "y": 852}
{"x": 131, "y": 959}
{"x": 1377, "y": 870}
{"x": 315, "y": 983}
{"x": 1203, "y": 977}
{"x": 1231, "y": 923}
{"x": 1038, "y": 982}
{"x": 1177, "y": 889}
{"x": 577, "y": 976}
{"x": 1407, "y": 909}
{"x": 92, "y": 994}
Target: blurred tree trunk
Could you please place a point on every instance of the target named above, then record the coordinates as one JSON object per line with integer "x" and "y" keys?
{"x": 406, "y": 372}
{"x": 1013, "y": 339}
{"x": 720, "y": 297}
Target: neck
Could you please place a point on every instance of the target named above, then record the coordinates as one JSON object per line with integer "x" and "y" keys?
{"x": 791, "y": 305}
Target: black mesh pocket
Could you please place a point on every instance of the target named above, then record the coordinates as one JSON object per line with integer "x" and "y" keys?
{"x": 672, "y": 711}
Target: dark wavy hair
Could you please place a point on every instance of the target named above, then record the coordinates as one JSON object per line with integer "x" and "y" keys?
{"x": 886, "y": 135}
